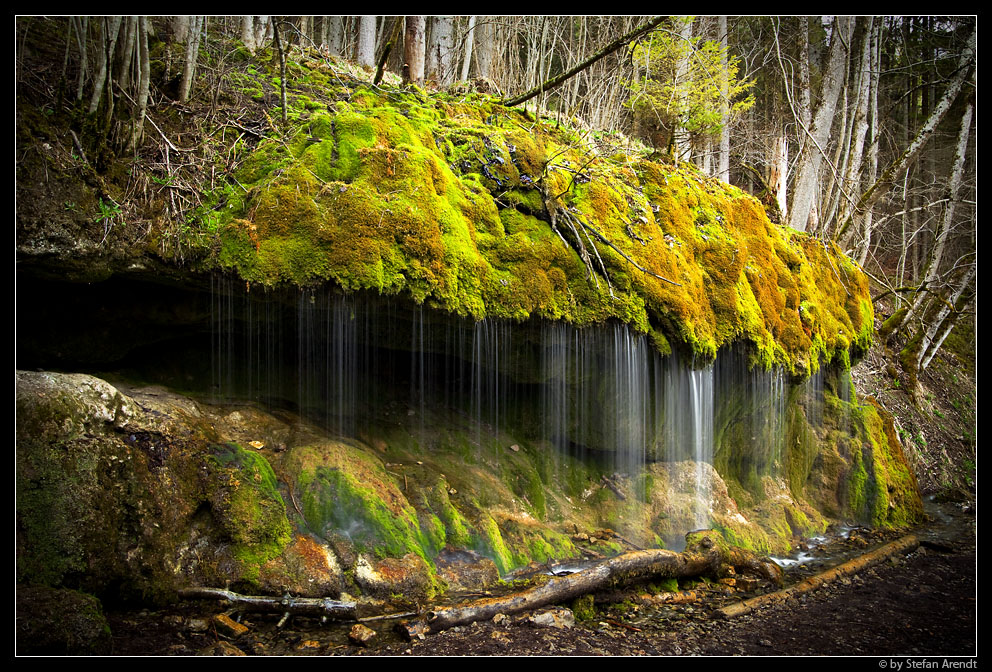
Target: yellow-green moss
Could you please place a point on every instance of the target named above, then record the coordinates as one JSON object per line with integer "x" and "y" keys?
{"x": 445, "y": 201}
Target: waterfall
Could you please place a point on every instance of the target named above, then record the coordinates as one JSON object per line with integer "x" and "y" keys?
{"x": 701, "y": 409}
{"x": 600, "y": 393}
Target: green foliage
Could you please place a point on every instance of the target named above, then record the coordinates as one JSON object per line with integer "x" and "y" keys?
{"x": 108, "y": 212}
{"x": 682, "y": 84}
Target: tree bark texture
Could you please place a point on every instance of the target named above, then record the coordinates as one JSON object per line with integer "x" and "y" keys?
{"x": 807, "y": 182}
{"x": 366, "y": 41}
{"x": 414, "y": 48}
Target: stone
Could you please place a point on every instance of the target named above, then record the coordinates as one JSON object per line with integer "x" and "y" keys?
{"x": 227, "y": 626}
{"x": 309, "y": 645}
{"x": 361, "y": 635}
{"x": 556, "y": 617}
{"x": 54, "y": 621}
{"x": 221, "y": 648}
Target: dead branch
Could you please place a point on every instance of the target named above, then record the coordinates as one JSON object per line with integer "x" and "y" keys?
{"x": 299, "y": 606}
{"x": 605, "y": 51}
{"x": 905, "y": 545}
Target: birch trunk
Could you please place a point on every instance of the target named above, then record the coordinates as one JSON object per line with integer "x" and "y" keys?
{"x": 144, "y": 80}
{"x": 723, "y": 163}
{"x": 859, "y": 128}
{"x": 366, "y": 41}
{"x": 469, "y": 40}
{"x": 807, "y": 183}
{"x": 484, "y": 48}
{"x": 894, "y": 170}
{"x": 945, "y": 322}
{"x": 248, "y": 33}
{"x": 876, "y": 66}
{"x": 192, "y": 50}
{"x": 683, "y": 146}
{"x": 440, "y": 51}
{"x": 940, "y": 242}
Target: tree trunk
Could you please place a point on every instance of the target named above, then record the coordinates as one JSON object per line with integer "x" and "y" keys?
{"x": 414, "y": 48}
{"x": 944, "y": 227}
{"x": 859, "y": 127}
{"x": 192, "y": 51}
{"x": 281, "y": 51}
{"x": 779, "y": 172}
{"x": 440, "y": 53}
{"x": 876, "y": 68}
{"x": 469, "y": 43}
{"x": 394, "y": 35}
{"x": 248, "y": 33}
{"x": 144, "y": 80}
{"x": 485, "y": 34}
{"x": 127, "y": 57}
{"x": 683, "y": 145}
{"x": 366, "y": 41}
{"x": 82, "y": 27}
{"x": 723, "y": 163}
{"x": 946, "y": 320}
{"x": 301, "y": 606}
{"x": 805, "y": 192}
{"x": 894, "y": 170}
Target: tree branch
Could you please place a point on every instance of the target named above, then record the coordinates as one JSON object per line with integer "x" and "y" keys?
{"x": 565, "y": 76}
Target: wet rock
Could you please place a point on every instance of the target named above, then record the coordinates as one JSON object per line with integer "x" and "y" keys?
{"x": 747, "y": 583}
{"x": 227, "y": 626}
{"x": 197, "y": 625}
{"x": 309, "y": 646}
{"x": 307, "y": 568}
{"x": 557, "y": 617}
{"x": 221, "y": 648}
{"x": 412, "y": 629}
{"x": 408, "y": 576}
{"x": 466, "y": 570}
{"x": 60, "y": 622}
{"x": 361, "y": 635}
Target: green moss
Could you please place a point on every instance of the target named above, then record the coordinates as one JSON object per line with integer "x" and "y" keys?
{"x": 336, "y": 502}
{"x": 445, "y": 202}
{"x": 248, "y": 506}
{"x": 584, "y": 608}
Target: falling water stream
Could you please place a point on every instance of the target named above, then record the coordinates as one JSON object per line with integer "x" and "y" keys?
{"x": 601, "y": 391}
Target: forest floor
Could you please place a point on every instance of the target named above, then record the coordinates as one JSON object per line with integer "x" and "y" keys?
{"x": 921, "y": 604}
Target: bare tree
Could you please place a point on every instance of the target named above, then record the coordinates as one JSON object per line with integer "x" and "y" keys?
{"x": 805, "y": 192}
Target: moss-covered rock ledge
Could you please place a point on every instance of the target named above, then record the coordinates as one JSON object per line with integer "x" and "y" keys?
{"x": 485, "y": 211}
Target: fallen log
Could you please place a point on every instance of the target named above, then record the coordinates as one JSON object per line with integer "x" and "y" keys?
{"x": 705, "y": 555}
{"x": 299, "y": 606}
{"x": 904, "y": 545}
